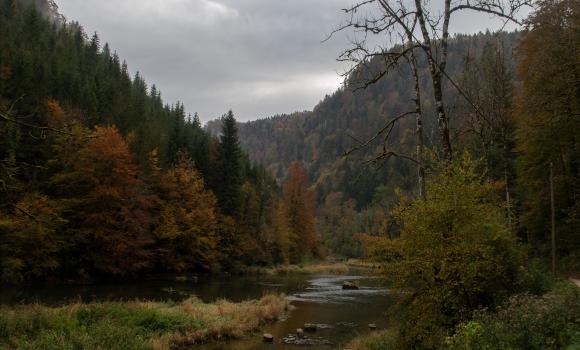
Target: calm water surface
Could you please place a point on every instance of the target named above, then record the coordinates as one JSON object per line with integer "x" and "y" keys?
{"x": 340, "y": 314}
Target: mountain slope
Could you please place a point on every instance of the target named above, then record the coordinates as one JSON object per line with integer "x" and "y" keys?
{"x": 321, "y": 136}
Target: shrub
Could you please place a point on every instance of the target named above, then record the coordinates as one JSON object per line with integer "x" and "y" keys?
{"x": 455, "y": 254}
{"x": 551, "y": 321}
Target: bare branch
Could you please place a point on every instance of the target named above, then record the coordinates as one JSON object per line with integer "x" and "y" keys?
{"x": 369, "y": 141}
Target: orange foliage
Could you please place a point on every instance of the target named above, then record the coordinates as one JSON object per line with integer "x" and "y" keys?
{"x": 56, "y": 115}
{"x": 186, "y": 226}
{"x": 111, "y": 207}
{"x": 299, "y": 202}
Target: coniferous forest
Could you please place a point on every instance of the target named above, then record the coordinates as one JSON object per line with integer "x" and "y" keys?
{"x": 430, "y": 202}
{"x": 100, "y": 176}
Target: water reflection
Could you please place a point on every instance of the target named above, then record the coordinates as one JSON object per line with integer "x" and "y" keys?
{"x": 319, "y": 299}
{"x": 338, "y": 314}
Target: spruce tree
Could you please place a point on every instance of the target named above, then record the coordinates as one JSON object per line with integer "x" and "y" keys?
{"x": 229, "y": 189}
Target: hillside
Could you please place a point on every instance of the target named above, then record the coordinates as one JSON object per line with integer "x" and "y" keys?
{"x": 320, "y": 137}
{"x": 104, "y": 178}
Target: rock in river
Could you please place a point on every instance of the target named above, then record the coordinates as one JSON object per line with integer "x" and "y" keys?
{"x": 349, "y": 285}
{"x": 268, "y": 338}
{"x": 310, "y": 327}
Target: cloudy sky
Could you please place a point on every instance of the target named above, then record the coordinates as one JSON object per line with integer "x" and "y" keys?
{"x": 257, "y": 57}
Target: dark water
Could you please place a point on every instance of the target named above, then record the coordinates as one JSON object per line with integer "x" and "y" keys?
{"x": 319, "y": 299}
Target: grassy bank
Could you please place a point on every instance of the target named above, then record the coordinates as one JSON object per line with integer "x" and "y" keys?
{"x": 526, "y": 322}
{"x": 327, "y": 268}
{"x": 134, "y": 325}
{"x": 363, "y": 263}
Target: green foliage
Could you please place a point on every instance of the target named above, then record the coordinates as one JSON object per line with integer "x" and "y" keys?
{"x": 550, "y": 321}
{"x": 320, "y": 137}
{"x": 455, "y": 253}
{"x": 29, "y": 239}
{"x": 230, "y": 168}
{"x": 385, "y": 340}
{"x": 547, "y": 109}
{"x": 125, "y": 180}
{"x": 339, "y": 222}
{"x": 132, "y": 325}
{"x": 489, "y": 131}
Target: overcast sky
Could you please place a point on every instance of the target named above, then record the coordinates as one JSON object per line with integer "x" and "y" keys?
{"x": 257, "y": 57}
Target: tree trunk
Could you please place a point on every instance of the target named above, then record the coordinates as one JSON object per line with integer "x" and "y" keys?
{"x": 442, "y": 119}
{"x": 553, "y": 212}
{"x": 419, "y": 127}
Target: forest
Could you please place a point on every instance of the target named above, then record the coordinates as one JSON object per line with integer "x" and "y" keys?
{"x": 102, "y": 178}
{"x": 430, "y": 202}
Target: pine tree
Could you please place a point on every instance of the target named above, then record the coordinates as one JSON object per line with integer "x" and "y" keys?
{"x": 229, "y": 192}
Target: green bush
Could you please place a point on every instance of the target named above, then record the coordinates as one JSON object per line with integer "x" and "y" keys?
{"x": 455, "y": 253}
{"x": 525, "y": 322}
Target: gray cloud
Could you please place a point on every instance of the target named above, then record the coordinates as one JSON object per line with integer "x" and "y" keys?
{"x": 258, "y": 57}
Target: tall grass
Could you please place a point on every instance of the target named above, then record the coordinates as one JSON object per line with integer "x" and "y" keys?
{"x": 134, "y": 325}
{"x": 320, "y": 268}
{"x": 384, "y": 340}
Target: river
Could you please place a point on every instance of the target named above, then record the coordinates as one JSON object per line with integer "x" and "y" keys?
{"x": 318, "y": 299}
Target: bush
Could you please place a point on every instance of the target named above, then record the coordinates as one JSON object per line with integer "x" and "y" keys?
{"x": 455, "y": 254}
{"x": 551, "y": 321}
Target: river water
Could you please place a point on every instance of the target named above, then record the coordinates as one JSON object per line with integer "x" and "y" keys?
{"x": 318, "y": 299}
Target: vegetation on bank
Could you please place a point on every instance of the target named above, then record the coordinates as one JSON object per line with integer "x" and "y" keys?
{"x": 524, "y": 321}
{"x": 455, "y": 253}
{"x": 463, "y": 257}
{"x": 549, "y": 321}
{"x": 317, "y": 268}
{"x": 134, "y": 325}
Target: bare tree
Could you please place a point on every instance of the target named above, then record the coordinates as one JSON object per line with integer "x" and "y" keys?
{"x": 410, "y": 27}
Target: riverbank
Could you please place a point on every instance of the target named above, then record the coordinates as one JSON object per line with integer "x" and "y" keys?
{"x": 135, "y": 324}
{"x": 524, "y": 321}
{"x": 333, "y": 268}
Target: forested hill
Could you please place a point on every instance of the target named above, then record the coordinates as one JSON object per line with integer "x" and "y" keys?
{"x": 99, "y": 176}
{"x": 321, "y": 136}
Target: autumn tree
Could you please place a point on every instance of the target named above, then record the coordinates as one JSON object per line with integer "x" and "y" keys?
{"x": 30, "y": 239}
{"x": 277, "y": 236}
{"x": 250, "y": 226}
{"x": 105, "y": 202}
{"x": 299, "y": 202}
{"x": 186, "y": 226}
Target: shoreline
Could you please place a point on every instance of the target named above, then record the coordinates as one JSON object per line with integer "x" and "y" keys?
{"x": 136, "y": 324}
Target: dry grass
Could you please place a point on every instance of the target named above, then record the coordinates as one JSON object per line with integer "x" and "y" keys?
{"x": 373, "y": 341}
{"x": 225, "y": 319}
{"x": 363, "y": 263}
{"x": 320, "y": 268}
{"x": 134, "y": 325}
